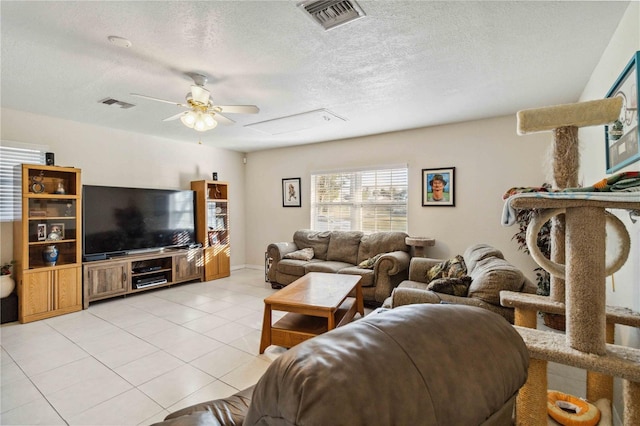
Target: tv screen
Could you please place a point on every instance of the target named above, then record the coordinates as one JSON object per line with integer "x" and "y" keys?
{"x": 124, "y": 220}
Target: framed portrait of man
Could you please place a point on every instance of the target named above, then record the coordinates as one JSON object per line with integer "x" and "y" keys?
{"x": 438, "y": 187}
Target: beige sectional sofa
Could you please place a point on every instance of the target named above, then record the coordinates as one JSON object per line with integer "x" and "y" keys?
{"x": 489, "y": 274}
{"x": 380, "y": 258}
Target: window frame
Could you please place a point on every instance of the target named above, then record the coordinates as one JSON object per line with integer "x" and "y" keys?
{"x": 13, "y": 154}
{"x": 368, "y": 199}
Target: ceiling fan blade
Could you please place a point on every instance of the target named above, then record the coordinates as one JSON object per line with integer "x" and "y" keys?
{"x": 175, "y": 117}
{"x": 238, "y": 109}
{"x": 158, "y": 100}
{"x": 222, "y": 119}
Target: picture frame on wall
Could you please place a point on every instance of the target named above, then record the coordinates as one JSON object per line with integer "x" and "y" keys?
{"x": 291, "y": 196}
{"x": 438, "y": 187}
{"x": 622, "y": 139}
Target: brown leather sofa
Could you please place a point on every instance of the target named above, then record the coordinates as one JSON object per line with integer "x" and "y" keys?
{"x": 489, "y": 272}
{"x": 414, "y": 365}
{"x": 380, "y": 258}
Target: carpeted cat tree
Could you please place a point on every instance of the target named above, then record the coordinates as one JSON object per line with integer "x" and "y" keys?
{"x": 579, "y": 222}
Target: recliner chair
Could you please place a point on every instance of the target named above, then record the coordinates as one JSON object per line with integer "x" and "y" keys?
{"x": 415, "y": 365}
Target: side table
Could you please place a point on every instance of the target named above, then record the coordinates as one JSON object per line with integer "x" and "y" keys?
{"x": 419, "y": 243}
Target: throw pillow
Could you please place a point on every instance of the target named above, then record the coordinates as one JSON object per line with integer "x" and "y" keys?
{"x": 368, "y": 263}
{"x": 453, "y": 286}
{"x": 303, "y": 254}
{"x": 452, "y": 268}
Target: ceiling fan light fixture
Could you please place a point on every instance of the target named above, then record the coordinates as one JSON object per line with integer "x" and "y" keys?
{"x": 198, "y": 120}
{"x": 189, "y": 119}
{"x": 209, "y": 121}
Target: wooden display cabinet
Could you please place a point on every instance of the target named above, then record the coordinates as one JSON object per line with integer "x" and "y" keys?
{"x": 212, "y": 226}
{"x": 51, "y": 202}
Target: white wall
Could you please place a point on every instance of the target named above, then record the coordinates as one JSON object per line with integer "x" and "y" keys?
{"x": 488, "y": 156}
{"x": 116, "y": 158}
{"x": 624, "y": 43}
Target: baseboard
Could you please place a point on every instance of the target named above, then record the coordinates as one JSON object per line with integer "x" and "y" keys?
{"x": 258, "y": 267}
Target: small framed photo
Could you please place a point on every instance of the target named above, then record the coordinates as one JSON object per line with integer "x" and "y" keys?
{"x": 56, "y": 231}
{"x": 438, "y": 187}
{"x": 42, "y": 231}
{"x": 291, "y": 192}
{"x": 622, "y": 136}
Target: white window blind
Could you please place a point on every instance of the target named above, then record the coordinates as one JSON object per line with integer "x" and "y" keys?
{"x": 363, "y": 200}
{"x": 10, "y": 157}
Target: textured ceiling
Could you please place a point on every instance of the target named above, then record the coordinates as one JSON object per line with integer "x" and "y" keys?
{"x": 405, "y": 65}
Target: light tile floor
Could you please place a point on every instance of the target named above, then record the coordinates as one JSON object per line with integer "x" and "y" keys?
{"x": 133, "y": 360}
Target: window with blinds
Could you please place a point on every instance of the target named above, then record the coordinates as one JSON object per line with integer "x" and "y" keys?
{"x": 10, "y": 157}
{"x": 362, "y": 200}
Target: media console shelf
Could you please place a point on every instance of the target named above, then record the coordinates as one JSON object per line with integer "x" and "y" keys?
{"x": 140, "y": 272}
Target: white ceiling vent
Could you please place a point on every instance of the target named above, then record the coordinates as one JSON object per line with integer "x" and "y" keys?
{"x": 332, "y": 13}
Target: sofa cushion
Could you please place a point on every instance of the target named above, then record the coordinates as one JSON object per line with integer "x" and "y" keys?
{"x": 453, "y": 286}
{"x": 474, "y": 254}
{"x": 381, "y": 242}
{"x": 302, "y": 254}
{"x": 317, "y": 240}
{"x": 343, "y": 246}
{"x": 294, "y": 267}
{"x": 366, "y": 274}
{"x": 492, "y": 275}
{"x": 326, "y": 266}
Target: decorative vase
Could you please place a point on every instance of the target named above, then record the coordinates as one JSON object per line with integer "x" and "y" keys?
{"x": 50, "y": 255}
{"x": 7, "y": 284}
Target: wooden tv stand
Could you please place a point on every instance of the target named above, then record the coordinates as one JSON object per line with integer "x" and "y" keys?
{"x": 134, "y": 273}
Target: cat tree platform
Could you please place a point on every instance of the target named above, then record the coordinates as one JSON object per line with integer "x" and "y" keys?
{"x": 533, "y": 303}
{"x": 590, "y": 323}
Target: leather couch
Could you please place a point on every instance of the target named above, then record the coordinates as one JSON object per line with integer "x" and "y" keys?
{"x": 380, "y": 258}
{"x": 414, "y": 365}
{"x": 489, "y": 272}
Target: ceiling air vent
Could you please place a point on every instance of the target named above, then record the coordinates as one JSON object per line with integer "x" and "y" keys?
{"x": 332, "y": 13}
{"x": 111, "y": 101}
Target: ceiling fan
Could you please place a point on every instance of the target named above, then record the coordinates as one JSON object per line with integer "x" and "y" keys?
{"x": 202, "y": 114}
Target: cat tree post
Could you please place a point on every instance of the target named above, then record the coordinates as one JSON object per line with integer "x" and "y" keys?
{"x": 564, "y": 121}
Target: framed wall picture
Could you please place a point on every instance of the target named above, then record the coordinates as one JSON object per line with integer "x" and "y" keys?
{"x": 438, "y": 187}
{"x": 622, "y": 137}
{"x": 291, "y": 192}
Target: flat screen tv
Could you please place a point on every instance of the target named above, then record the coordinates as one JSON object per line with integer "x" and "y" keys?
{"x": 119, "y": 221}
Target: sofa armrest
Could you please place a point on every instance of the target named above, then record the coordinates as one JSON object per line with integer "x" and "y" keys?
{"x": 225, "y": 411}
{"x": 412, "y": 292}
{"x": 276, "y": 252}
{"x": 390, "y": 269}
{"x": 420, "y": 266}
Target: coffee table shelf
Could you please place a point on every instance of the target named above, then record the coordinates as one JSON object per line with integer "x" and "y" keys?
{"x": 296, "y": 328}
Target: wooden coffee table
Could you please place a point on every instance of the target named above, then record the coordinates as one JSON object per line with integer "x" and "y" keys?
{"x": 317, "y": 302}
